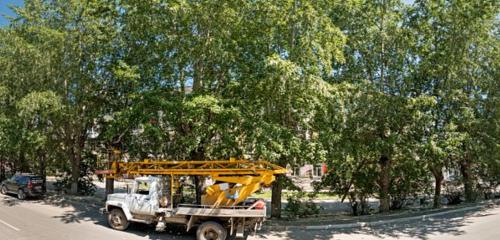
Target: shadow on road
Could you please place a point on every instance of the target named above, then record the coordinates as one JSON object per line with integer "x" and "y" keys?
{"x": 91, "y": 212}
{"x": 416, "y": 229}
{"x": 80, "y": 209}
{"x": 82, "y": 212}
{"x": 10, "y": 200}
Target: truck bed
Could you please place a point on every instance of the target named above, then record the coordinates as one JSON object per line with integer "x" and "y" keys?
{"x": 201, "y": 210}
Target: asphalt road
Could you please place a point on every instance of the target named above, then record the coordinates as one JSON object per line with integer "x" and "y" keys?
{"x": 46, "y": 220}
{"x": 49, "y": 220}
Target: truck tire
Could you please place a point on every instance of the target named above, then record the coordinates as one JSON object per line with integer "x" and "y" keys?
{"x": 117, "y": 219}
{"x": 3, "y": 190}
{"x": 21, "y": 195}
{"x": 211, "y": 231}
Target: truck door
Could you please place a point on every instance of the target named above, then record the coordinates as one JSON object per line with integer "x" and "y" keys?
{"x": 145, "y": 199}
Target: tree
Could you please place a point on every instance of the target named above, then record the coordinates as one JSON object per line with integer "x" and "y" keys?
{"x": 231, "y": 68}
{"x": 39, "y": 112}
{"x": 283, "y": 84}
{"x": 377, "y": 52}
{"x": 453, "y": 62}
{"x": 72, "y": 40}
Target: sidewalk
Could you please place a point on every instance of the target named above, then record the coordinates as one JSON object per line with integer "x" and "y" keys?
{"x": 345, "y": 221}
{"x": 62, "y": 199}
{"x": 325, "y": 220}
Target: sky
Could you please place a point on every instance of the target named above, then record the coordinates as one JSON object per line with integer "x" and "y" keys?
{"x": 5, "y": 10}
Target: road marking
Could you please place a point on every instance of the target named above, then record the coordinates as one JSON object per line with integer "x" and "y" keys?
{"x": 8, "y": 225}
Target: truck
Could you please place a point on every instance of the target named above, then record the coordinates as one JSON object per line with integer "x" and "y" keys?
{"x": 212, "y": 196}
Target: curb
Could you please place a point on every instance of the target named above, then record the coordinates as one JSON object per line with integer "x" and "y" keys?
{"x": 375, "y": 223}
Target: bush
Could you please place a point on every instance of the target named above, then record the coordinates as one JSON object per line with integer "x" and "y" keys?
{"x": 359, "y": 204}
{"x": 297, "y": 207}
{"x": 453, "y": 192}
{"x": 85, "y": 185}
{"x": 397, "y": 202}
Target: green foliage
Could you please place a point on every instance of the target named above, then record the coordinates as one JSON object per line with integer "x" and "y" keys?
{"x": 298, "y": 206}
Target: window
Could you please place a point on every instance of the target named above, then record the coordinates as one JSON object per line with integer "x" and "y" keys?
{"x": 143, "y": 188}
{"x": 22, "y": 180}
{"x": 36, "y": 179}
{"x": 318, "y": 171}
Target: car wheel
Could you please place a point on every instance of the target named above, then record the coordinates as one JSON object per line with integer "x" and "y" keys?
{"x": 3, "y": 190}
{"x": 21, "y": 194}
{"x": 211, "y": 231}
{"x": 117, "y": 219}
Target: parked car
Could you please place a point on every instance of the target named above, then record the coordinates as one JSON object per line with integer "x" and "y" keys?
{"x": 24, "y": 185}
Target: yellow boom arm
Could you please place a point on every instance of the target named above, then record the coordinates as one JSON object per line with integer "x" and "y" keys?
{"x": 236, "y": 179}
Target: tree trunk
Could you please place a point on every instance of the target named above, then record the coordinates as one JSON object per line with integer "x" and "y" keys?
{"x": 438, "y": 177}
{"x": 198, "y": 76}
{"x": 198, "y": 155}
{"x": 42, "y": 170}
{"x": 276, "y": 197}
{"x": 2, "y": 169}
{"x": 365, "y": 209}
{"x": 23, "y": 164}
{"x": 76, "y": 161}
{"x": 465, "y": 169}
{"x": 199, "y": 186}
{"x": 110, "y": 186}
{"x": 110, "y": 182}
{"x": 75, "y": 164}
{"x": 385, "y": 201}
{"x": 75, "y": 171}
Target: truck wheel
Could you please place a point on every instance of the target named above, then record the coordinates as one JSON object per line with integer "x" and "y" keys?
{"x": 117, "y": 219}
{"x": 21, "y": 195}
{"x": 3, "y": 190}
{"x": 211, "y": 231}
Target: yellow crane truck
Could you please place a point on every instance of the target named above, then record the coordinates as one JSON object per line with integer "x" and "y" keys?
{"x": 165, "y": 192}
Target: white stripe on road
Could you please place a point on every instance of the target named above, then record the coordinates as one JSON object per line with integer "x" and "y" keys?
{"x": 8, "y": 225}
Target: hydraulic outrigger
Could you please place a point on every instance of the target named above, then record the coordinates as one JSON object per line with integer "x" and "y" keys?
{"x": 222, "y": 205}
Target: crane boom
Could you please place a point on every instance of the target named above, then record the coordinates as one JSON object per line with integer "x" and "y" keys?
{"x": 214, "y": 168}
{"x": 240, "y": 178}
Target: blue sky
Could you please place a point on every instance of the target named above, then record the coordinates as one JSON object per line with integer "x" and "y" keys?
{"x": 5, "y": 10}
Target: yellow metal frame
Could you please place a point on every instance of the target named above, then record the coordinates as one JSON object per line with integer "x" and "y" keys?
{"x": 197, "y": 168}
{"x": 245, "y": 177}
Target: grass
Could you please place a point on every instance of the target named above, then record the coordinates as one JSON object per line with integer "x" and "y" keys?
{"x": 320, "y": 196}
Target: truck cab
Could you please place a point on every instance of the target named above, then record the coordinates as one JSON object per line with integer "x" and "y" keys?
{"x": 140, "y": 204}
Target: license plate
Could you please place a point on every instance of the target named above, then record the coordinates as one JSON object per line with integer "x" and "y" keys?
{"x": 38, "y": 188}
